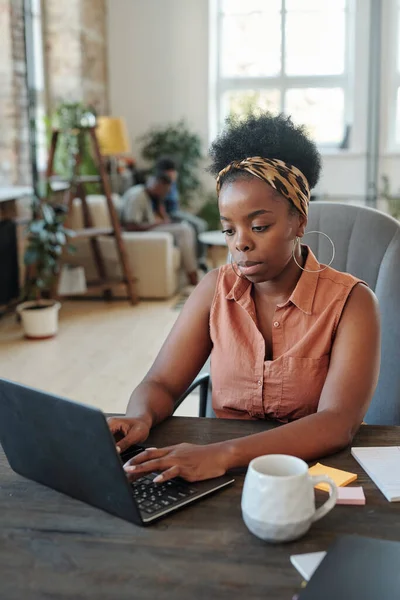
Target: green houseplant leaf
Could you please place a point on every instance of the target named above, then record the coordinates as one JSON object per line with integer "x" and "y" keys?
{"x": 71, "y": 119}
{"x": 47, "y": 237}
{"x": 184, "y": 146}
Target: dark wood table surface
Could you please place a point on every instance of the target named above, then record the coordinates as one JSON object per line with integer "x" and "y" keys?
{"x": 54, "y": 547}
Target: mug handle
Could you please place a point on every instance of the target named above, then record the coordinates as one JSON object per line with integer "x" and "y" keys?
{"x": 330, "y": 503}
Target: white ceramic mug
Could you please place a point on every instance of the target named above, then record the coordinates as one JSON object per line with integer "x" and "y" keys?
{"x": 278, "y": 503}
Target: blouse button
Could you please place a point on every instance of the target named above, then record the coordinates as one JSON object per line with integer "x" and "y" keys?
{"x": 276, "y": 324}
{"x": 259, "y": 382}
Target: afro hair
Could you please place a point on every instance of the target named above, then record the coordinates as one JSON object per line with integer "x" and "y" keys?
{"x": 269, "y": 136}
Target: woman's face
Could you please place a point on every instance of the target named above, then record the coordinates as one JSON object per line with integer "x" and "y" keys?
{"x": 259, "y": 227}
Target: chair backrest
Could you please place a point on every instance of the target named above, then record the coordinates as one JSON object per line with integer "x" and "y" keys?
{"x": 367, "y": 245}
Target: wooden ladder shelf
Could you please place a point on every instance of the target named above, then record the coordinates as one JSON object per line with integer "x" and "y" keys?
{"x": 76, "y": 189}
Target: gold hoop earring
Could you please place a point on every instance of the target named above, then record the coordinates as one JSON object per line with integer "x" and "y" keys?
{"x": 233, "y": 268}
{"x": 297, "y": 241}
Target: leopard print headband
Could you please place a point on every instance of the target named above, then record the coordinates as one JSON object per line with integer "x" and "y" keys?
{"x": 283, "y": 177}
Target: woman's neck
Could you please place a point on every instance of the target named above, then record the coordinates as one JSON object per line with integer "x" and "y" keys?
{"x": 280, "y": 289}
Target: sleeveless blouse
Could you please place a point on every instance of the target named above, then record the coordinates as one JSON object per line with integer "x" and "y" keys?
{"x": 288, "y": 387}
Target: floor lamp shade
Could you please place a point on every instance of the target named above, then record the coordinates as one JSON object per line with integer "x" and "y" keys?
{"x": 113, "y": 136}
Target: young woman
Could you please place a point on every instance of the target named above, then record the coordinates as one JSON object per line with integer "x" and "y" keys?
{"x": 290, "y": 339}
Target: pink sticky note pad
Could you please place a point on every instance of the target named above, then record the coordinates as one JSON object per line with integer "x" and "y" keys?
{"x": 351, "y": 495}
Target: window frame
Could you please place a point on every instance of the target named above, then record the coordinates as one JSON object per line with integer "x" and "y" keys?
{"x": 393, "y": 66}
{"x": 36, "y": 85}
{"x": 283, "y": 82}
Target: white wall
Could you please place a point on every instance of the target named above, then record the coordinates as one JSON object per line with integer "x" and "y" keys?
{"x": 158, "y": 64}
{"x": 159, "y": 72}
{"x": 389, "y": 154}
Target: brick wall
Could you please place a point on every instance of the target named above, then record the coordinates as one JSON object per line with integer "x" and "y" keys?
{"x": 94, "y": 54}
{"x": 14, "y": 139}
{"x": 6, "y": 108}
{"x": 20, "y": 95}
{"x": 76, "y": 52}
{"x": 75, "y": 48}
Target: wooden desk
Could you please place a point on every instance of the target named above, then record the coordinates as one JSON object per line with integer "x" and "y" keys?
{"x": 54, "y": 547}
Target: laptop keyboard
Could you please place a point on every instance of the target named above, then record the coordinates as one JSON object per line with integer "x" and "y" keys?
{"x": 153, "y": 497}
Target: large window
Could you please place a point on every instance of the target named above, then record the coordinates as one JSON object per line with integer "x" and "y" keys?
{"x": 36, "y": 84}
{"x": 397, "y": 79}
{"x": 287, "y": 55}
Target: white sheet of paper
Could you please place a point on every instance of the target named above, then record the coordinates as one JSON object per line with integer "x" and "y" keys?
{"x": 306, "y": 564}
{"x": 382, "y": 464}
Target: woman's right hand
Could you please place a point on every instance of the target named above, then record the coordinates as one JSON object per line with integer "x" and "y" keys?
{"x": 128, "y": 431}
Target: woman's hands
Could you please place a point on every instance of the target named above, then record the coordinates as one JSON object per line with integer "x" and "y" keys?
{"x": 189, "y": 461}
{"x": 128, "y": 431}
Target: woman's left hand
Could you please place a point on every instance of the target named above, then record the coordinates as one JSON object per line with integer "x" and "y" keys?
{"x": 189, "y": 461}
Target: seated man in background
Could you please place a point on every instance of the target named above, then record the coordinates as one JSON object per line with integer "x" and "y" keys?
{"x": 166, "y": 165}
{"x": 143, "y": 210}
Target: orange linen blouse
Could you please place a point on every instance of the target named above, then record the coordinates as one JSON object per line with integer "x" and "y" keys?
{"x": 288, "y": 387}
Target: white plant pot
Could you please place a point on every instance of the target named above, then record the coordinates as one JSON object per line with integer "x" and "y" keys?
{"x": 39, "y": 318}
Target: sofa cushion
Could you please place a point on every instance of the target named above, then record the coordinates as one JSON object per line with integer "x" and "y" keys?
{"x": 98, "y": 211}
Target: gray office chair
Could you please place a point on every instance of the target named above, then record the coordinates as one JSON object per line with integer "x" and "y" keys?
{"x": 367, "y": 245}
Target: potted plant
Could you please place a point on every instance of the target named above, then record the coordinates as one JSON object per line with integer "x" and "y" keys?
{"x": 209, "y": 211}
{"x": 184, "y": 147}
{"x": 72, "y": 120}
{"x": 47, "y": 237}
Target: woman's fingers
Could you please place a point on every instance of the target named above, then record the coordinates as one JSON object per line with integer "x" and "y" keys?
{"x": 117, "y": 426}
{"x": 156, "y": 464}
{"x": 146, "y": 455}
{"x": 130, "y": 438}
{"x": 168, "y": 474}
{"x": 127, "y": 432}
{"x": 125, "y": 443}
